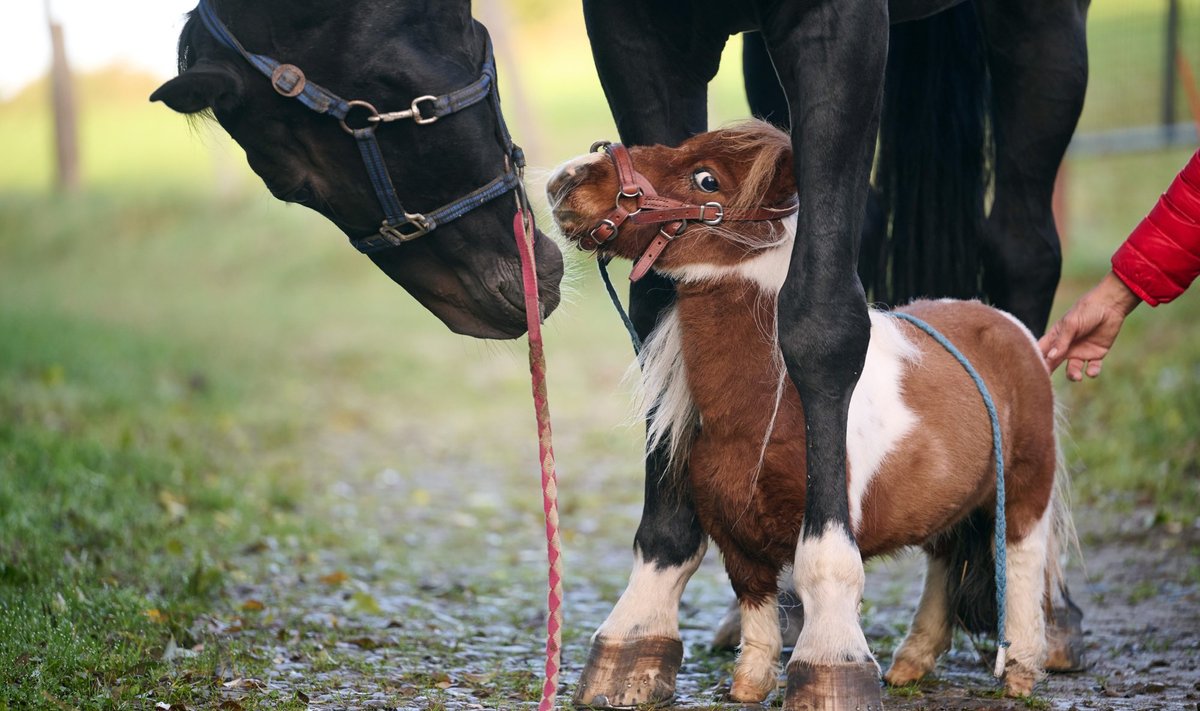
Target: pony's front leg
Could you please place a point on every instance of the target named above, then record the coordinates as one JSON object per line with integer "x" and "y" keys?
{"x": 930, "y": 633}
{"x": 830, "y": 56}
{"x": 757, "y": 670}
{"x": 655, "y": 59}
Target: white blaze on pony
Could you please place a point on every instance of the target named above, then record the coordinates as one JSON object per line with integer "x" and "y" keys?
{"x": 919, "y": 441}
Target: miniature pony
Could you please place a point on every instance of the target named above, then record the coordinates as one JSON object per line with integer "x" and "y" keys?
{"x": 717, "y": 214}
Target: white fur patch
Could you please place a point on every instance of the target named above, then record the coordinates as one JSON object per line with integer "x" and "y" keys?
{"x": 570, "y": 166}
{"x": 878, "y": 419}
{"x": 758, "y": 663}
{"x": 649, "y": 607}
{"x": 767, "y": 269}
{"x": 829, "y": 579}
{"x": 1026, "y": 576}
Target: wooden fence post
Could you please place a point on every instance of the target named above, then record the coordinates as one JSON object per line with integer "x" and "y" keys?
{"x": 66, "y": 143}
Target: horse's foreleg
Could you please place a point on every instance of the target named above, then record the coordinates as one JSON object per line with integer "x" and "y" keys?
{"x": 930, "y": 633}
{"x": 830, "y": 59}
{"x": 1026, "y": 627}
{"x": 658, "y": 93}
{"x": 1037, "y": 56}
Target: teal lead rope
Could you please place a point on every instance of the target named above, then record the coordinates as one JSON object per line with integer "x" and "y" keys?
{"x": 998, "y": 453}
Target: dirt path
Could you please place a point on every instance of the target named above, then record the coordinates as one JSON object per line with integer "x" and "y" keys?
{"x": 430, "y": 595}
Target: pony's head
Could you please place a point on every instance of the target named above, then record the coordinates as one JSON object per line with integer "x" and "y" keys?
{"x": 719, "y": 199}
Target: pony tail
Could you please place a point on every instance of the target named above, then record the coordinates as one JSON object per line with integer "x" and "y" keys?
{"x": 971, "y": 583}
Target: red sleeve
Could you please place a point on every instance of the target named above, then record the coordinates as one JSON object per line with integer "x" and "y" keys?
{"x": 1162, "y": 256}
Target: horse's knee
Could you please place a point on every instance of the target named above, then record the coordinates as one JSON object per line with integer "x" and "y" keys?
{"x": 824, "y": 343}
{"x": 1021, "y": 275}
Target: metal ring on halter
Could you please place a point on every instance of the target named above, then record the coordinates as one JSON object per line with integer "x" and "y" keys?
{"x": 371, "y": 120}
{"x": 663, "y": 230}
{"x": 416, "y": 110}
{"x": 622, "y": 194}
{"x": 716, "y": 220}
{"x": 600, "y": 145}
{"x": 395, "y": 231}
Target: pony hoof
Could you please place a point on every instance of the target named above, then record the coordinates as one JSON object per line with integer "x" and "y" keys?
{"x": 833, "y": 687}
{"x": 627, "y": 673}
{"x": 1019, "y": 680}
{"x": 904, "y": 672}
{"x": 1064, "y": 639}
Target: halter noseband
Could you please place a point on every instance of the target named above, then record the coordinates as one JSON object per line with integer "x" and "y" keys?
{"x": 399, "y": 226}
{"x": 650, "y": 208}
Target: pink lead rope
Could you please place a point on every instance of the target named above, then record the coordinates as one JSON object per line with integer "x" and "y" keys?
{"x": 524, "y": 230}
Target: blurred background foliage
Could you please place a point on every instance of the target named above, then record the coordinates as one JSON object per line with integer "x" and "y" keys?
{"x": 188, "y": 366}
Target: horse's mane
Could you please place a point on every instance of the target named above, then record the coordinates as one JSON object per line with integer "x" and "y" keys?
{"x": 768, "y": 147}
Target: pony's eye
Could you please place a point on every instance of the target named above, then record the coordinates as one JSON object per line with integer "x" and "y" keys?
{"x": 706, "y": 181}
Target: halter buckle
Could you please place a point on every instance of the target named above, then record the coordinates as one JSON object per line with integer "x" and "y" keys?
{"x": 416, "y": 110}
{"x": 396, "y": 234}
{"x": 712, "y": 222}
{"x": 605, "y": 224}
{"x": 288, "y": 80}
{"x": 600, "y": 146}
{"x": 670, "y": 236}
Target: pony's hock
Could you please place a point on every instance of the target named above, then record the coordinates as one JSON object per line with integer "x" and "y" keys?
{"x": 627, "y": 673}
{"x": 926, "y": 461}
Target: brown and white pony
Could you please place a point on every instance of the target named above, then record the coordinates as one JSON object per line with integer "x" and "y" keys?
{"x": 919, "y": 445}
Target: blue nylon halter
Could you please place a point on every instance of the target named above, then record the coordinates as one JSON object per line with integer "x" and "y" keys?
{"x": 1001, "y": 554}
{"x": 399, "y": 226}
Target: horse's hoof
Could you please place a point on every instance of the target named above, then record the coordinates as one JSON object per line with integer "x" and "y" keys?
{"x": 626, "y": 673}
{"x": 833, "y": 687}
{"x": 1064, "y": 639}
{"x": 729, "y": 631}
{"x": 751, "y": 688}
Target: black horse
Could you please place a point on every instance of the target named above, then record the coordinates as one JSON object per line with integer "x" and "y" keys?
{"x": 981, "y": 100}
{"x": 426, "y": 58}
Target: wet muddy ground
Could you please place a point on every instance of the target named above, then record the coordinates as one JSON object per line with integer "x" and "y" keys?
{"x": 430, "y": 595}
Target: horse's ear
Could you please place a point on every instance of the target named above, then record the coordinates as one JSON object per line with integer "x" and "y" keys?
{"x": 204, "y": 85}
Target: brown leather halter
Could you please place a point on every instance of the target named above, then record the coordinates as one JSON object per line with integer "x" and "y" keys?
{"x": 650, "y": 208}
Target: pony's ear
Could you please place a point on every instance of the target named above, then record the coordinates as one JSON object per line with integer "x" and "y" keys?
{"x": 204, "y": 85}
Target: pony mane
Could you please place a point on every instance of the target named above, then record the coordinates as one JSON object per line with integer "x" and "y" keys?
{"x": 768, "y": 147}
{"x": 664, "y": 400}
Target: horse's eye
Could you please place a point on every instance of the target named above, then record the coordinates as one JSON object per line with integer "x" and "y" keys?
{"x": 706, "y": 181}
{"x": 300, "y": 195}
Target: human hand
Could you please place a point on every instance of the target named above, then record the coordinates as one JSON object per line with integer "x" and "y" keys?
{"x": 1083, "y": 336}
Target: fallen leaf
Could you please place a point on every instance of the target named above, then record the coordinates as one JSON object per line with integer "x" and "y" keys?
{"x": 337, "y": 577}
{"x": 366, "y": 643}
{"x": 155, "y": 615}
{"x": 241, "y": 683}
{"x": 253, "y": 606}
{"x": 365, "y": 602}
{"x": 302, "y": 697}
{"x": 175, "y": 507}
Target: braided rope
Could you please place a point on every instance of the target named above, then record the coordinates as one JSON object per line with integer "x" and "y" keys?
{"x": 1001, "y": 554}
{"x": 523, "y": 228}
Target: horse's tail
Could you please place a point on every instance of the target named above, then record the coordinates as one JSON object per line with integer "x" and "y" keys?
{"x": 932, "y": 169}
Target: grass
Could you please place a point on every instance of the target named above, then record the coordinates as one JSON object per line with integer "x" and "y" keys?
{"x": 189, "y": 371}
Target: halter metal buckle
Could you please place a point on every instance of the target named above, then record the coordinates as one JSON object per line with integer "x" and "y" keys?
{"x": 396, "y": 234}
{"x": 416, "y": 110}
{"x": 599, "y": 226}
{"x": 712, "y": 222}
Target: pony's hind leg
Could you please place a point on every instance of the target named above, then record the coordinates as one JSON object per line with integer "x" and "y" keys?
{"x": 930, "y": 633}
{"x": 757, "y": 669}
{"x": 1024, "y": 604}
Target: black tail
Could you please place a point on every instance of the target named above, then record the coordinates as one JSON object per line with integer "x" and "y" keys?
{"x": 932, "y": 168}
{"x": 971, "y": 584}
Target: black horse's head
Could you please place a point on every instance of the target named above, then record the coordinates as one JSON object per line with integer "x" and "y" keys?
{"x": 388, "y": 53}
